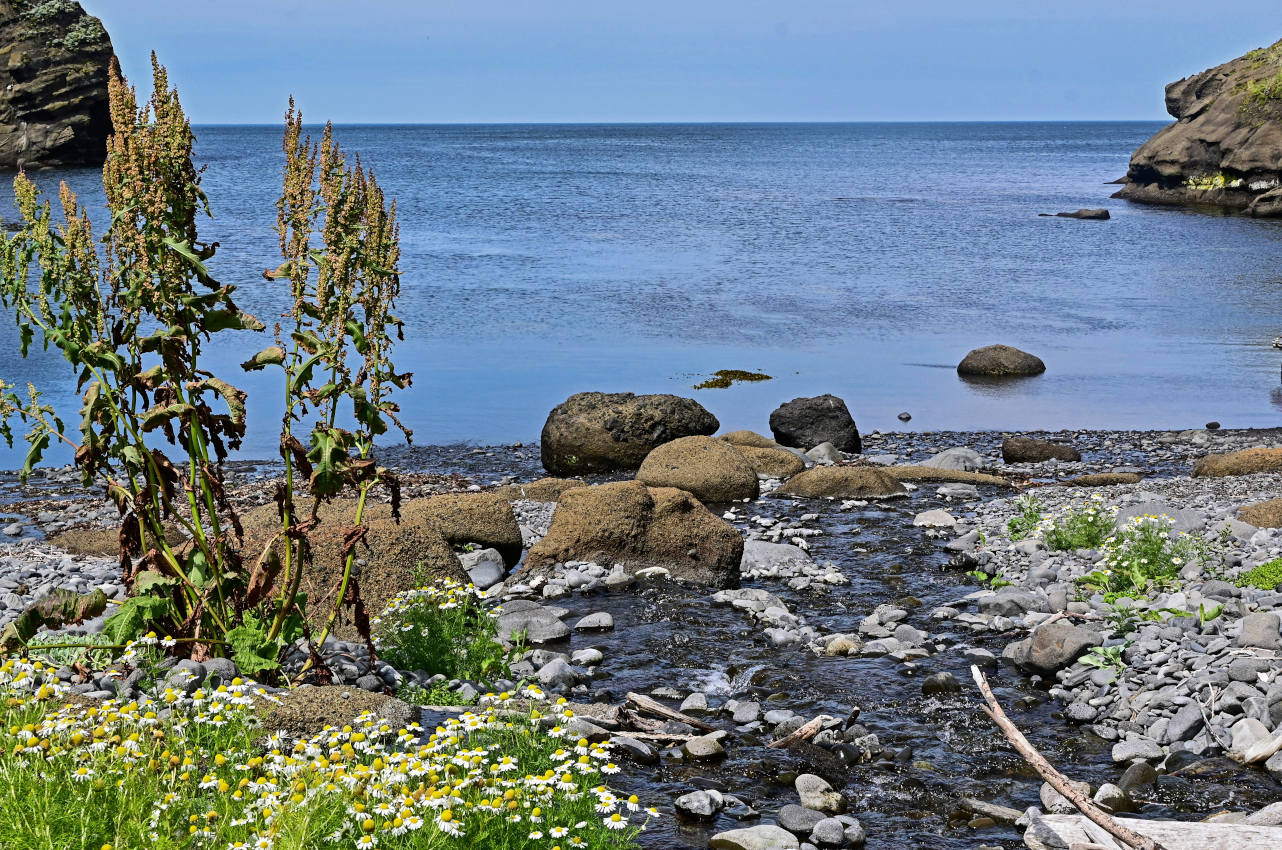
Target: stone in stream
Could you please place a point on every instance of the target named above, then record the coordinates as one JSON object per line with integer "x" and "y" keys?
{"x": 1247, "y": 733}
{"x": 640, "y": 751}
{"x": 1274, "y": 766}
{"x": 826, "y": 454}
{"x": 956, "y": 459}
{"x": 799, "y": 820}
{"x": 696, "y": 703}
{"x": 1111, "y": 798}
{"x": 538, "y": 625}
{"x": 485, "y": 567}
{"x": 587, "y": 657}
{"x": 1133, "y": 749}
{"x": 598, "y": 622}
{"x": 937, "y": 518}
{"x": 762, "y": 837}
{"x": 941, "y": 683}
{"x": 829, "y": 832}
{"x": 1027, "y": 450}
{"x": 1056, "y": 803}
{"x": 746, "y": 712}
{"x": 817, "y": 794}
{"x": 1051, "y": 647}
{"x": 705, "y": 748}
{"x": 804, "y": 423}
{"x": 700, "y": 805}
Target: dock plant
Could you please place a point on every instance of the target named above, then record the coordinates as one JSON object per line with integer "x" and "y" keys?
{"x": 133, "y": 313}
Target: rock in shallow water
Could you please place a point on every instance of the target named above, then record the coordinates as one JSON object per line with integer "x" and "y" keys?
{"x": 763, "y": 837}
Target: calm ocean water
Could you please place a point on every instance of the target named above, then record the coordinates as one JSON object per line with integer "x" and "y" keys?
{"x": 858, "y": 259}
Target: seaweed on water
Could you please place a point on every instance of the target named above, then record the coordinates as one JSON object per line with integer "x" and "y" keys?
{"x": 723, "y": 378}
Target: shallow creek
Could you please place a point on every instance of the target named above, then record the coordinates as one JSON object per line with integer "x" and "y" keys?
{"x": 670, "y": 635}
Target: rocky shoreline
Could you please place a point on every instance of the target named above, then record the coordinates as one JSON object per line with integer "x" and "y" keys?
{"x": 803, "y": 590}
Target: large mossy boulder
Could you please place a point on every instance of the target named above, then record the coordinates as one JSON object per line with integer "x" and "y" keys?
{"x": 1245, "y": 462}
{"x": 804, "y": 423}
{"x": 843, "y": 482}
{"x": 542, "y": 490}
{"x": 54, "y": 59}
{"x": 1263, "y": 514}
{"x": 628, "y": 523}
{"x": 395, "y": 554}
{"x": 607, "y": 432}
{"x": 484, "y": 519}
{"x": 711, "y": 470}
{"x": 773, "y": 462}
{"x": 745, "y": 439}
{"x": 1000, "y": 361}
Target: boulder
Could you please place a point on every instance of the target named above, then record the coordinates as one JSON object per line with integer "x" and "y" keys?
{"x": 748, "y": 439}
{"x": 396, "y": 555}
{"x": 817, "y": 794}
{"x": 956, "y": 459}
{"x": 773, "y": 462}
{"x": 1051, "y": 647}
{"x": 762, "y": 837}
{"x": 303, "y": 712}
{"x": 1260, "y": 630}
{"x": 1028, "y": 450}
{"x": 605, "y": 432}
{"x": 1000, "y": 361}
{"x": 711, "y": 470}
{"x": 1102, "y": 479}
{"x": 483, "y": 519}
{"x": 1245, "y": 462}
{"x": 626, "y": 522}
{"x": 1099, "y": 214}
{"x": 53, "y": 86}
{"x": 1223, "y": 148}
{"x": 1263, "y": 514}
{"x": 543, "y": 490}
{"x": 843, "y": 482}
{"x": 804, "y": 423}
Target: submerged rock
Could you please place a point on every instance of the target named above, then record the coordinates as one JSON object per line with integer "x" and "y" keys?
{"x": 1000, "y": 361}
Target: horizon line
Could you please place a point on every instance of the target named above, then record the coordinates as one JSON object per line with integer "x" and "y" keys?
{"x": 688, "y": 123}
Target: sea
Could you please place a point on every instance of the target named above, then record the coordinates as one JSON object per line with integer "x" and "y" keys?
{"x": 857, "y": 259}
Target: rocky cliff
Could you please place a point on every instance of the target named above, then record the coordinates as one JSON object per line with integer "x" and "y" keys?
{"x": 53, "y": 84}
{"x": 1225, "y": 147}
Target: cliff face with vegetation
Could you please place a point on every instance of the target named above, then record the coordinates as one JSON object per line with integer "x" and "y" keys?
{"x": 53, "y": 84}
{"x": 1225, "y": 147}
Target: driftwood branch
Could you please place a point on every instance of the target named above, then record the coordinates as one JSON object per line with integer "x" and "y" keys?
{"x": 644, "y": 703}
{"x": 1056, "y": 779}
{"x": 805, "y": 733}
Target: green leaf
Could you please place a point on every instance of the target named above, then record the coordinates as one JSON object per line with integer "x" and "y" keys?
{"x": 272, "y": 356}
{"x": 39, "y": 442}
{"x": 190, "y": 255}
{"x": 328, "y": 459}
{"x": 59, "y": 608}
{"x": 304, "y": 374}
{"x": 150, "y": 580}
{"x": 134, "y": 617}
{"x": 222, "y": 320}
{"x": 250, "y": 649}
{"x": 198, "y": 571}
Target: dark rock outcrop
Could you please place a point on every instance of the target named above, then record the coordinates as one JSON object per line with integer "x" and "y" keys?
{"x": 604, "y": 432}
{"x": 1225, "y": 147}
{"x": 804, "y": 423}
{"x": 1000, "y": 361}
{"x": 54, "y": 59}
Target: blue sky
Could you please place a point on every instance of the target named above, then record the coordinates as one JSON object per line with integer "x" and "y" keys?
{"x": 412, "y": 61}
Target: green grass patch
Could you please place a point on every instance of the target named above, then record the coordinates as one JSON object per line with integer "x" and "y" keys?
{"x": 723, "y": 378}
{"x": 1264, "y": 576}
{"x": 1080, "y": 527}
{"x": 1145, "y": 556}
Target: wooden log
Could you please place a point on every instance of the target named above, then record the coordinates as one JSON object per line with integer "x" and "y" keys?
{"x": 805, "y": 733}
{"x": 1057, "y": 780}
{"x": 1071, "y": 832}
{"x": 644, "y": 703}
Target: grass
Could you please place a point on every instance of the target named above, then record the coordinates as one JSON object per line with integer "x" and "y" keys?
{"x": 173, "y": 771}
{"x": 723, "y": 378}
{"x": 1262, "y": 98}
{"x": 1266, "y": 576}
{"x": 442, "y": 628}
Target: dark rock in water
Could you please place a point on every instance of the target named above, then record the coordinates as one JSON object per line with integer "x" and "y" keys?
{"x": 1026, "y": 450}
{"x": 1090, "y": 215}
{"x": 604, "y": 432}
{"x": 905, "y": 416}
{"x": 1223, "y": 148}
{"x": 1213, "y": 426}
{"x": 941, "y": 683}
{"x": 804, "y": 423}
{"x": 1000, "y": 361}
{"x": 53, "y": 87}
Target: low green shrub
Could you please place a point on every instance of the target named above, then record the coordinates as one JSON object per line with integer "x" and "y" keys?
{"x": 1026, "y": 521}
{"x": 1264, "y": 576}
{"x": 1145, "y": 556}
{"x": 1081, "y": 527}
{"x": 442, "y": 628}
{"x": 177, "y": 771}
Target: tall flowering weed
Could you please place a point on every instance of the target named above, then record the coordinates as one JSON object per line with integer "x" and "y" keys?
{"x": 1080, "y": 527}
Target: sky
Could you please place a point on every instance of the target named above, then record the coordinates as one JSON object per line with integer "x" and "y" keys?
{"x": 440, "y": 61}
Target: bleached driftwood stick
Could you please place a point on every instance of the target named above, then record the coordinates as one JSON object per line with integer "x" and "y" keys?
{"x": 653, "y": 707}
{"x": 805, "y": 733}
{"x": 1056, "y": 779}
